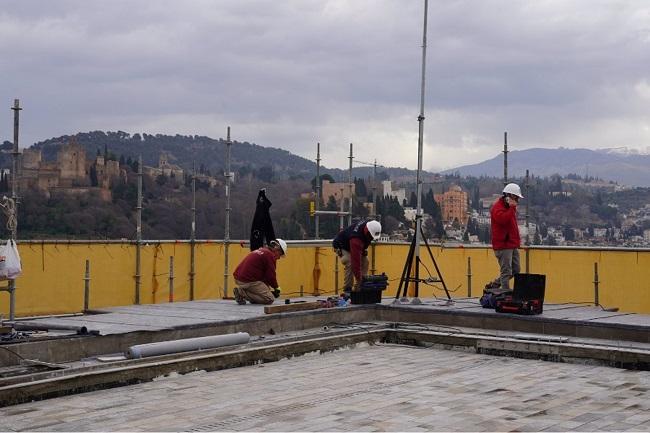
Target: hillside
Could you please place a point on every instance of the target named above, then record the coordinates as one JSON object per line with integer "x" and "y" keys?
{"x": 267, "y": 163}
{"x": 626, "y": 169}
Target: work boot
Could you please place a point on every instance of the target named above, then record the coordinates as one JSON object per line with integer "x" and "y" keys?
{"x": 491, "y": 286}
{"x": 238, "y": 297}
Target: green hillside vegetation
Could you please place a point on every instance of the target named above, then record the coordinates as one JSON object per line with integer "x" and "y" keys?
{"x": 167, "y": 205}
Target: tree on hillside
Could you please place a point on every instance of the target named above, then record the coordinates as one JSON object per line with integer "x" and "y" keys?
{"x": 323, "y": 177}
{"x": 360, "y": 189}
{"x": 329, "y": 224}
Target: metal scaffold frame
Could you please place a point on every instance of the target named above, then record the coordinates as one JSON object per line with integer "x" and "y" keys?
{"x": 10, "y": 206}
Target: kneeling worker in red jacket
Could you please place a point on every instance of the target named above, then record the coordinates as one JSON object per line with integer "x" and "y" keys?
{"x": 255, "y": 275}
{"x": 505, "y": 234}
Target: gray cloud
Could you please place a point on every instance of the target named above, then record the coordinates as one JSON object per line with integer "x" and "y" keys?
{"x": 292, "y": 73}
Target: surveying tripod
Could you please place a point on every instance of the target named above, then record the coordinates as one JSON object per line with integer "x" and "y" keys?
{"x": 406, "y": 273}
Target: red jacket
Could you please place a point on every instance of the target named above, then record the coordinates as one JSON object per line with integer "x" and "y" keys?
{"x": 505, "y": 231}
{"x": 258, "y": 265}
{"x": 357, "y": 247}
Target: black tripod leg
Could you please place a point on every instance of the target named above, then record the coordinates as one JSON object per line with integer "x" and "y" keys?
{"x": 436, "y": 266}
{"x": 406, "y": 272}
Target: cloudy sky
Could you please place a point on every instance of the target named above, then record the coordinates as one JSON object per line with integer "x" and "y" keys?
{"x": 290, "y": 73}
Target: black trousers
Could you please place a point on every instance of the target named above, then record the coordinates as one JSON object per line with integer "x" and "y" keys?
{"x": 262, "y": 227}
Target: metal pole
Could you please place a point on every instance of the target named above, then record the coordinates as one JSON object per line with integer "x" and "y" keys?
{"x": 193, "y": 233}
{"x": 226, "y": 238}
{"x": 505, "y": 158}
{"x": 350, "y": 186}
{"x": 469, "y": 277}
{"x": 527, "y": 223}
{"x": 11, "y": 287}
{"x": 316, "y": 217}
{"x": 418, "y": 213}
{"x": 138, "y": 234}
{"x": 14, "y": 171}
{"x": 171, "y": 278}
{"x": 374, "y": 189}
{"x": 374, "y": 211}
{"x": 87, "y": 286}
{"x": 596, "y": 281}
{"x": 336, "y": 258}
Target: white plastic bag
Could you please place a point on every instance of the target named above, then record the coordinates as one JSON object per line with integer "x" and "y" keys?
{"x": 10, "y": 267}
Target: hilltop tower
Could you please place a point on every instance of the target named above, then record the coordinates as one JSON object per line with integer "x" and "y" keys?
{"x": 72, "y": 163}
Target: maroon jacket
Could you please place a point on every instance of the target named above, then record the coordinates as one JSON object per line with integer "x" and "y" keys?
{"x": 355, "y": 239}
{"x": 505, "y": 231}
{"x": 258, "y": 265}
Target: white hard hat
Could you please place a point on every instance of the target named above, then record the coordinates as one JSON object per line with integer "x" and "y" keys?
{"x": 283, "y": 245}
{"x": 374, "y": 228}
{"x": 513, "y": 188}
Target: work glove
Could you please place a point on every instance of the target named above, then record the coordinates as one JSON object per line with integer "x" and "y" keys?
{"x": 276, "y": 292}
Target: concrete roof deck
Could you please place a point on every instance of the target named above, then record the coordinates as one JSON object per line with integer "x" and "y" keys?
{"x": 380, "y": 387}
{"x": 156, "y": 317}
{"x": 358, "y": 383}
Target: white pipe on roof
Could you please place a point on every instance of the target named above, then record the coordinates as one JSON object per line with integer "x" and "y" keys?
{"x": 186, "y": 345}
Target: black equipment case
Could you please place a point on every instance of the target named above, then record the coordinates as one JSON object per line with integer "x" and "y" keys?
{"x": 370, "y": 290}
{"x": 527, "y": 297}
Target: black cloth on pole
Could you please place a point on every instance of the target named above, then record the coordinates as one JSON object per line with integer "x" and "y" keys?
{"x": 262, "y": 227}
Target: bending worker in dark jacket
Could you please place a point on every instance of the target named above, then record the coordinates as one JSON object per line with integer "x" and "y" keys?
{"x": 505, "y": 234}
{"x": 255, "y": 275}
{"x": 351, "y": 245}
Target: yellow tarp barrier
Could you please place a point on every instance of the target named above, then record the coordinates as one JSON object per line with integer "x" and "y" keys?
{"x": 53, "y": 274}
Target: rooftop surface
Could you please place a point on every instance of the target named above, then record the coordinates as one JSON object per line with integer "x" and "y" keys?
{"x": 363, "y": 384}
{"x": 155, "y": 317}
{"x": 369, "y": 388}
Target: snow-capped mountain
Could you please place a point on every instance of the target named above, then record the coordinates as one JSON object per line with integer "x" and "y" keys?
{"x": 630, "y": 168}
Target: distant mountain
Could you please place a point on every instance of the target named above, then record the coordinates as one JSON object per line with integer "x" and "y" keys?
{"x": 620, "y": 165}
{"x": 184, "y": 150}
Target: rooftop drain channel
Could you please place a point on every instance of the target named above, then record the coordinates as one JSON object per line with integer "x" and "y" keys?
{"x": 269, "y": 349}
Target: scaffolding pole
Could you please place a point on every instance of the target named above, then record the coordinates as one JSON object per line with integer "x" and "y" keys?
{"x": 138, "y": 234}
{"x": 226, "y": 238}
{"x": 13, "y": 214}
{"x": 505, "y": 158}
{"x": 318, "y": 193}
{"x": 193, "y": 233}
{"x": 350, "y": 188}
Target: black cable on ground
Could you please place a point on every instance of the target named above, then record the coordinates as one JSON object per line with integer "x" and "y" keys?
{"x": 11, "y": 351}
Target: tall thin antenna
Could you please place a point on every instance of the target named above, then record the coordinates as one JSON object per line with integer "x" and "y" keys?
{"x": 418, "y": 213}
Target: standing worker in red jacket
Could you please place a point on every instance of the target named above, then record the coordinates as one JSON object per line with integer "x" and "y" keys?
{"x": 505, "y": 234}
{"x": 255, "y": 275}
{"x": 351, "y": 245}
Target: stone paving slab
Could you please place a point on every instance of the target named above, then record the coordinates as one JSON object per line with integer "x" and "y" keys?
{"x": 367, "y": 388}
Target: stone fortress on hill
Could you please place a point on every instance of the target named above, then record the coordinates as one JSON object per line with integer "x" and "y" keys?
{"x": 72, "y": 171}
